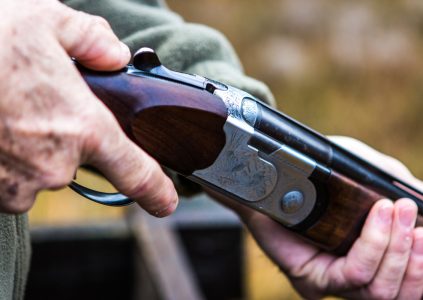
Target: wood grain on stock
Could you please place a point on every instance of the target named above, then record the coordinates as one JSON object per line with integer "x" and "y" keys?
{"x": 341, "y": 223}
{"x": 181, "y": 127}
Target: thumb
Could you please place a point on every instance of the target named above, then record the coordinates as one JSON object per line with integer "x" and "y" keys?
{"x": 91, "y": 41}
{"x": 132, "y": 171}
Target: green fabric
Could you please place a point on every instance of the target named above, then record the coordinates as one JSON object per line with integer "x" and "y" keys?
{"x": 181, "y": 46}
{"x": 14, "y": 255}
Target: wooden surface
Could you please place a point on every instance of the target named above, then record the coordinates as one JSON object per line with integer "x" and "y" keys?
{"x": 163, "y": 271}
{"x": 348, "y": 206}
{"x": 180, "y": 126}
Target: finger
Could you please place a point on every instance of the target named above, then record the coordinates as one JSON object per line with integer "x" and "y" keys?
{"x": 132, "y": 171}
{"x": 91, "y": 41}
{"x": 17, "y": 191}
{"x": 362, "y": 261}
{"x": 387, "y": 281}
{"x": 384, "y": 162}
{"x": 412, "y": 286}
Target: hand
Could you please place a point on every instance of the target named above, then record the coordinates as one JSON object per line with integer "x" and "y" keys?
{"x": 50, "y": 121}
{"x": 385, "y": 262}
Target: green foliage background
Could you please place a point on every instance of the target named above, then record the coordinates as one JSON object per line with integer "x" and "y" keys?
{"x": 342, "y": 67}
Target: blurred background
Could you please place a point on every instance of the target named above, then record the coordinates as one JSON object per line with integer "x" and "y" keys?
{"x": 343, "y": 67}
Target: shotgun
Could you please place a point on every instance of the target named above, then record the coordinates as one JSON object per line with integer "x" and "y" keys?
{"x": 227, "y": 140}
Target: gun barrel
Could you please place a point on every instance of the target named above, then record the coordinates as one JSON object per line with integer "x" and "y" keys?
{"x": 311, "y": 143}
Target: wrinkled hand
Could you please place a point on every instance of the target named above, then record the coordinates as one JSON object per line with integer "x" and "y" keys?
{"x": 385, "y": 262}
{"x": 50, "y": 122}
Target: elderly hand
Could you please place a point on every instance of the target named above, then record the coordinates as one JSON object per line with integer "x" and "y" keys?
{"x": 50, "y": 122}
{"x": 385, "y": 262}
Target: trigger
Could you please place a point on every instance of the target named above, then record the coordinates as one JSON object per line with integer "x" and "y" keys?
{"x": 110, "y": 199}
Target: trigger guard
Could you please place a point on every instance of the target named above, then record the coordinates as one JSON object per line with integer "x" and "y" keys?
{"x": 109, "y": 199}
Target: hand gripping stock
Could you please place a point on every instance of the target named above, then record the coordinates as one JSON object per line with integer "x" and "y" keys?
{"x": 225, "y": 139}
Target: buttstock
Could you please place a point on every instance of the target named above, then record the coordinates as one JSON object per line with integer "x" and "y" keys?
{"x": 161, "y": 116}
{"x": 348, "y": 204}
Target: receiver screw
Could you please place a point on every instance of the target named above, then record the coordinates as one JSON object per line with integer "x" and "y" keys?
{"x": 292, "y": 202}
{"x": 249, "y": 111}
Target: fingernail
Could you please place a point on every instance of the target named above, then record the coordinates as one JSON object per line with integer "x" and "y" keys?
{"x": 385, "y": 213}
{"x": 407, "y": 216}
{"x": 168, "y": 209}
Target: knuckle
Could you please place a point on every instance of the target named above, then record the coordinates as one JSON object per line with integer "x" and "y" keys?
{"x": 59, "y": 170}
{"x": 85, "y": 29}
{"x": 144, "y": 185}
{"x": 297, "y": 272}
{"x": 16, "y": 196}
{"x": 92, "y": 23}
{"x": 93, "y": 29}
{"x": 414, "y": 275}
{"x": 376, "y": 244}
{"x": 101, "y": 22}
{"x": 415, "y": 279}
{"x": 362, "y": 270}
{"x": 358, "y": 276}
{"x": 65, "y": 21}
{"x": 54, "y": 157}
{"x": 59, "y": 178}
{"x": 155, "y": 197}
{"x": 400, "y": 249}
{"x": 86, "y": 26}
{"x": 383, "y": 292}
{"x": 64, "y": 16}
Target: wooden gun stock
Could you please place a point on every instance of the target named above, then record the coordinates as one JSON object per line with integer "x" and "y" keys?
{"x": 183, "y": 129}
{"x": 179, "y": 126}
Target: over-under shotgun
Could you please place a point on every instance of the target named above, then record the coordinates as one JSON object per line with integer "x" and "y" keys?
{"x": 225, "y": 139}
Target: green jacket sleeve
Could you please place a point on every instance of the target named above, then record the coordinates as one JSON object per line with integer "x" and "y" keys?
{"x": 182, "y": 46}
{"x": 14, "y": 256}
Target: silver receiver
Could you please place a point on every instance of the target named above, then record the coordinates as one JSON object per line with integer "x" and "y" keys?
{"x": 275, "y": 183}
